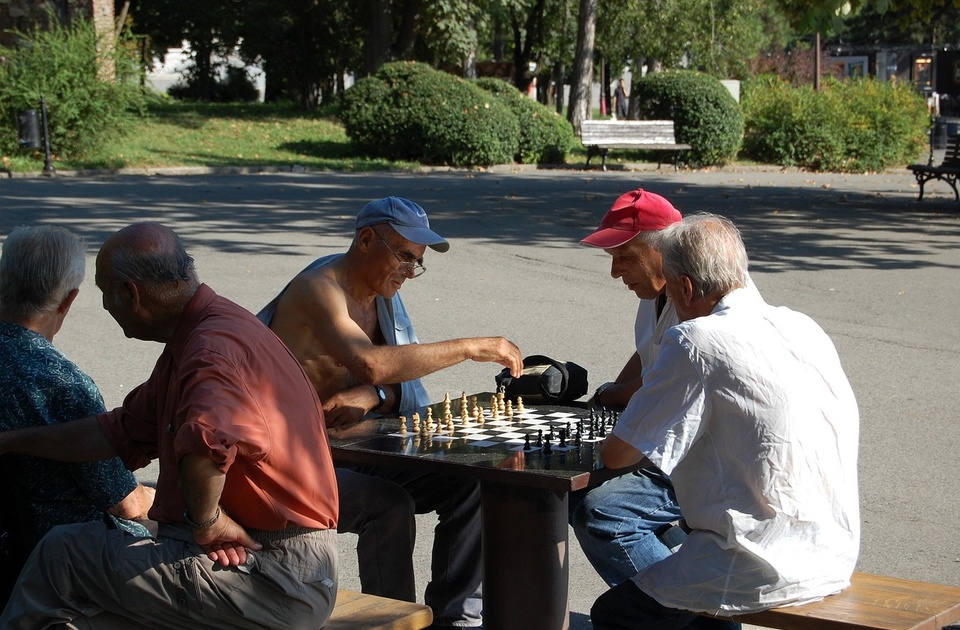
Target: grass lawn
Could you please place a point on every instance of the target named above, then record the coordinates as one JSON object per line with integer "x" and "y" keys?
{"x": 194, "y": 134}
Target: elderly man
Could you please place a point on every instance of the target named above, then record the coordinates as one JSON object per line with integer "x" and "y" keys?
{"x": 622, "y": 525}
{"x": 246, "y": 497}
{"x": 41, "y": 270}
{"x": 748, "y": 409}
{"x": 343, "y": 318}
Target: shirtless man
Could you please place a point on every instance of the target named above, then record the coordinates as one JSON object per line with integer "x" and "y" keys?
{"x": 343, "y": 318}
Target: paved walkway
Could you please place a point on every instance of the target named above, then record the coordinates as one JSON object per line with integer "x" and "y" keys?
{"x": 878, "y": 270}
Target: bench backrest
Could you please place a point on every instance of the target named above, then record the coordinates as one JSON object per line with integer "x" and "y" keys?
{"x": 625, "y": 131}
{"x": 952, "y": 156}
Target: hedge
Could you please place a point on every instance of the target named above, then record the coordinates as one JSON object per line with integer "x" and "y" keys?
{"x": 705, "y": 114}
{"x": 409, "y": 111}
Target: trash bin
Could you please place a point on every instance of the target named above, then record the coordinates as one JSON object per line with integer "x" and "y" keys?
{"x": 944, "y": 127}
{"x": 28, "y": 129}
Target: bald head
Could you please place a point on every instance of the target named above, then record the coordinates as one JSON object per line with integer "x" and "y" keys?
{"x": 147, "y": 279}
{"x": 151, "y": 255}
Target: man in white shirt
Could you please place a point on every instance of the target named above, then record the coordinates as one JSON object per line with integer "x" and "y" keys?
{"x": 749, "y": 411}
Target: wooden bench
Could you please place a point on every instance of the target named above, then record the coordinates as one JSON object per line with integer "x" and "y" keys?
{"x": 871, "y": 602}
{"x": 598, "y": 136}
{"x": 947, "y": 171}
{"x": 359, "y": 611}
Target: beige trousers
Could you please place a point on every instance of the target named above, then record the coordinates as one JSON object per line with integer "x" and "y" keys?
{"x": 89, "y": 576}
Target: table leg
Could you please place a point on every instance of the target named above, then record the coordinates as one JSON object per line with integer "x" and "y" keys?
{"x": 526, "y": 568}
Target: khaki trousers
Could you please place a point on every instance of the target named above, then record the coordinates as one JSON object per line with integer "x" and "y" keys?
{"x": 89, "y": 576}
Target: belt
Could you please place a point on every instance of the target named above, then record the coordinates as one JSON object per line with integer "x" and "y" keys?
{"x": 273, "y": 535}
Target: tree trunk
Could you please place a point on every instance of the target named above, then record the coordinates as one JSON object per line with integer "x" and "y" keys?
{"x": 581, "y": 83}
{"x": 379, "y": 35}
{"x": 559, "y": 70}
{"x": 408, "y": 30}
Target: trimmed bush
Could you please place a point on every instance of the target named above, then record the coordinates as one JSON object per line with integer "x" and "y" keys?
{"x": 62, "y": 65}
{"x": 706, "y": 115}
{"x": 409, "y": 111}
{"x": 545, "y": 136}
{"x": 848, "y": 126}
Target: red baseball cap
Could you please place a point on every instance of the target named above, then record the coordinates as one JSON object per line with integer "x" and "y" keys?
{"x": 634, "y": 212}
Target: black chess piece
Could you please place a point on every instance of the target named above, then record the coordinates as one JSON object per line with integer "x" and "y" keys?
{"x": 603, "y": 429}
{"x": 547, "y": 447}
{"x": 526, "y": 442}
{"x": 539, "y": 437}
{"x": 563, "y": 438}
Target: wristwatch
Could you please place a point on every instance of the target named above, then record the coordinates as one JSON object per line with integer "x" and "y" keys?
{"x": 600, "y": 390}
{"x": 381, "y": 395}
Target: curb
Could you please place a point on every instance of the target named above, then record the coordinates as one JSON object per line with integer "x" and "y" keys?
{"x": 176, "y": 171}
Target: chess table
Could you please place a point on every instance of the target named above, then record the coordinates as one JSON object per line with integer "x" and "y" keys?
{"x": 524, "y": 494}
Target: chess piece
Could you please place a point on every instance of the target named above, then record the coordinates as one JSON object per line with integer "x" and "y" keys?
{"x": 403, "y": 425}
{"x": 416, "y": 421}
{"x": 539, "y": 437}
{"x": 526, "y": 442}
{"x": 563, "y": 438}
{"x": 519, "y": 404}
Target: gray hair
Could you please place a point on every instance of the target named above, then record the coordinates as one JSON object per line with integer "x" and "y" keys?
{"x": 708, "y": 249}
{"x": 39, "y": 267}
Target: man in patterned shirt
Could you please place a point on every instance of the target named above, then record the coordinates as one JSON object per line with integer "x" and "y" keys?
{"x": 40, "y": 273}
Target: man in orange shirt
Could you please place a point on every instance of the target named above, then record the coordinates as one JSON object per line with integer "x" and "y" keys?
{"x": 246, "y": 497}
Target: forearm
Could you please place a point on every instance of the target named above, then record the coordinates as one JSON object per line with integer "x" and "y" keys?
{"x": 397, "y": 364}
{"x": 75, "y": 441}
{"x": 615, "y": 453}
{"x": 201, "y": 483}
{"x": 619, "y": 392}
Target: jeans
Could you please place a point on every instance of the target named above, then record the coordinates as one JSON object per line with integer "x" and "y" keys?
{"x": 617, "y": 522}
{"x": 626, "y": 607}
{"x": 378, "y": 504}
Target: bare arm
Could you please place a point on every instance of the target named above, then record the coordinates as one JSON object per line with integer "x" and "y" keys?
{"x": 224, "y": 540}
{"x": 628, "y": 382}
{"x": 76, "y": 441}
{"x": 314, "y": 317}
{"x": 616, "y": 453}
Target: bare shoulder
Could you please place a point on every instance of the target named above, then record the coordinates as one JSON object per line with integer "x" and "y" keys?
{"x": 315, "y": 289}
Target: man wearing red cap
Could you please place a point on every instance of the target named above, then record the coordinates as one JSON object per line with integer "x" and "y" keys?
{"x": 622, "y": 524}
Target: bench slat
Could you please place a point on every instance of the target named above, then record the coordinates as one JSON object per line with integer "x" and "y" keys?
{"x": 872, "y": 602}
{"x": 359, "y": 611}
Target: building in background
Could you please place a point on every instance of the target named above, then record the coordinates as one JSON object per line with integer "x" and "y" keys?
{"x": 23, "y": 15}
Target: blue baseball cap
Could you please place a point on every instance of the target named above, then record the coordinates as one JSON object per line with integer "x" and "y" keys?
{"x": 404, "y": 216}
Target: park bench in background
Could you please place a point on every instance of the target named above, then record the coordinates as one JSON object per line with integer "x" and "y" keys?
{"x": 947, "y": 171}
{"x": 359, "y": 611}
{"x": 598, "y": 136}
{"x": 871, "y": 602}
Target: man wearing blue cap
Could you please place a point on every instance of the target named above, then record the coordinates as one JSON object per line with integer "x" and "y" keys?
{"x": 343, "y": 318}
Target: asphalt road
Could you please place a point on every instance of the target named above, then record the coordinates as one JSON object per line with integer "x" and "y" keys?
{"x": 875, "y": 268}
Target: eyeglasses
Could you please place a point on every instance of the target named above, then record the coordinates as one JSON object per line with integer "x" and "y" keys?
{"x": 409, "y": 268}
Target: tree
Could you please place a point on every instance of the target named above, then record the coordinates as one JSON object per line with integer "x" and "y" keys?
{"x": 209, "y": 26}
{"x": 582, "y": 81}
{"x": 310, "y": 44}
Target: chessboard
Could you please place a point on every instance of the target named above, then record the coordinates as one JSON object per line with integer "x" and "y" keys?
{"x": 491, "y": 420}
